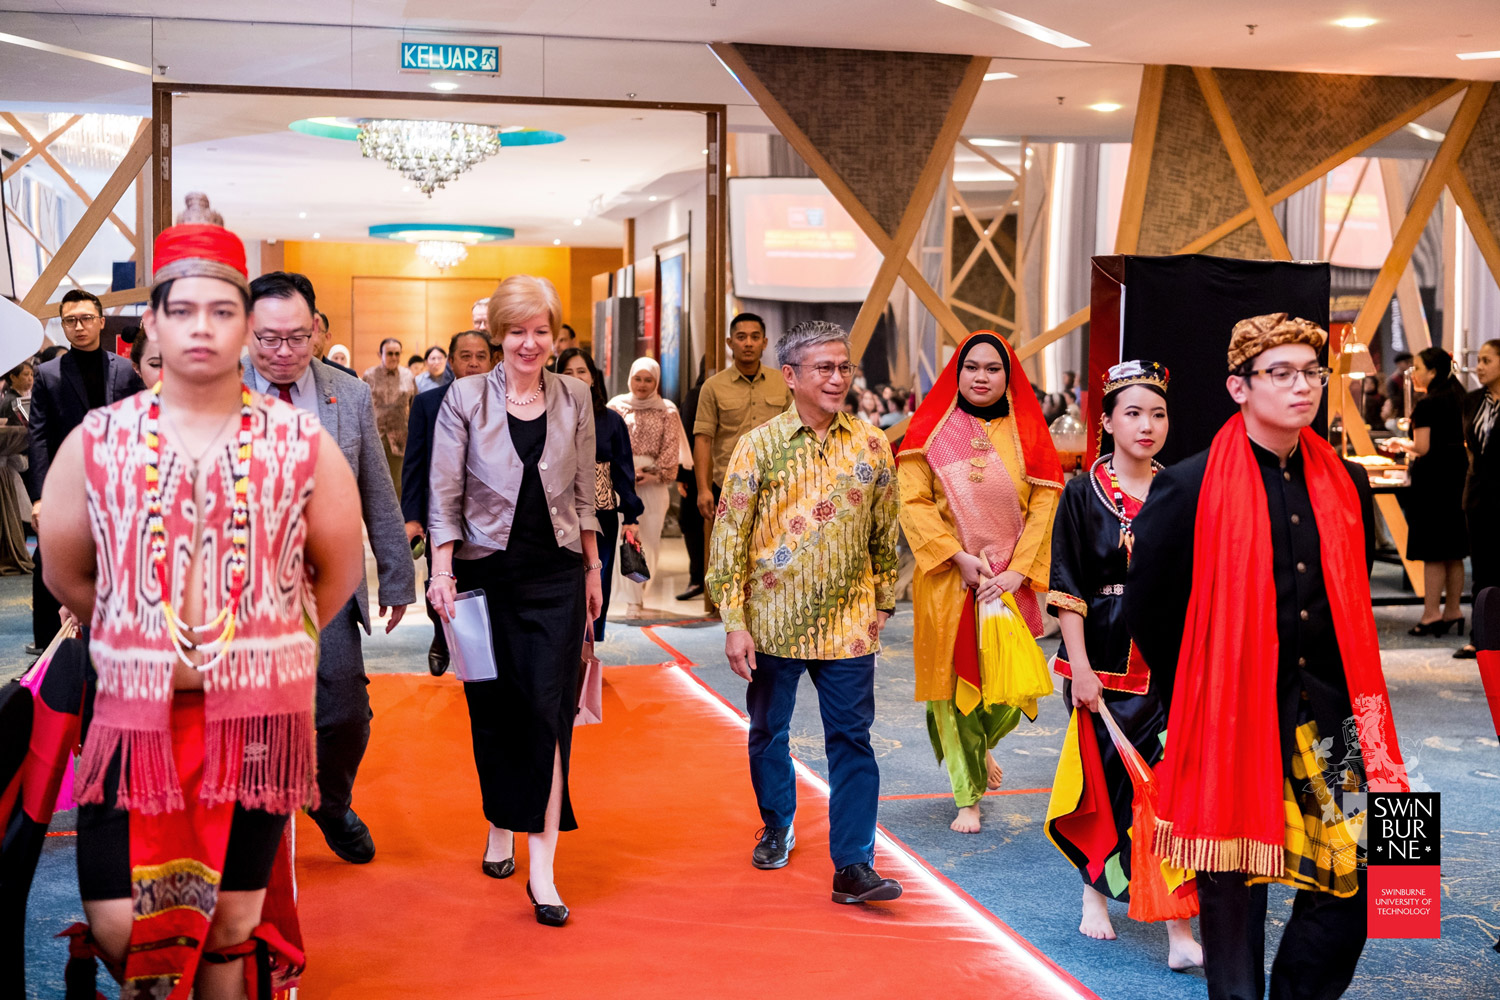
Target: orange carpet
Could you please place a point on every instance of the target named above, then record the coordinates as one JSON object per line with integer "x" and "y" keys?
{"x": 665, "y": 902}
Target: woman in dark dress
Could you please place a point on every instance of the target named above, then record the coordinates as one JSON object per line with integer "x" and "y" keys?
{"x": 1482, "y": 488}
{"x": 1091, "y": 545}
{"x": 614, "y": 472}
{"x": 1435, "y": 531}
{"x": 512, "y": 513}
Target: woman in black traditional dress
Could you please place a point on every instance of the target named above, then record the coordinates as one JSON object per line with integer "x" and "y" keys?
{"x": 1091, "y": 545}
{"x": 1436, "y": 534}
{"x": 512, "y": 513}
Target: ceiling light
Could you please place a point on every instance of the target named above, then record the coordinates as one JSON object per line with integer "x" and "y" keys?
{"x": 577, "y": 222}
{"x": 1494, "y": 54}
{"x": 1105, "y": 106}
{"x": 444, "y": 85}
{"x": 994, "y": 142}
{"x": 1431, "y": 135}
{"x": 1354, "y": 22}
{"x": 998, "y": 76}
{"x": 1029, "y": 28}
{"x": 317, "y": 236}
{"x": 557, "y": 243}
{"x": 301, "y": 215}
{"x": 428, "y": 153}
{"x": 405, "y": 188}
{"x": 441, "y": 254}
{"x": 705, "y": 152}
{"x": 652, "y": 198}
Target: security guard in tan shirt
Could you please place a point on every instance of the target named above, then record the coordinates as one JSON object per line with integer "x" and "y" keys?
{"x": 732, "y": 402}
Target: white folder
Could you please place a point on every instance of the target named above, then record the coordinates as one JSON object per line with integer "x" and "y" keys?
{"x": 471, "y": 650}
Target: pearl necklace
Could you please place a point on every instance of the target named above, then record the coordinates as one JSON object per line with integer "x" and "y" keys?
{"x": 529, "y": 399}
{"x": 191, "y": 638}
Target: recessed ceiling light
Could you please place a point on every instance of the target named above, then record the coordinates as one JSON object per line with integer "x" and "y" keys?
{"x": 443, "y": 85}
{"x": 998, "y": 76}
{"x": 405, "y": 188}
{"x": 1029, "y": 28}
{"x": 1354, "y": 22}
{"x": 705, "y": 152}
{"x": 994, "y": 142}
{"x": 1494, "y": 54}
{"x": 1431, "y": 135}
{"x": 317, "y": 236}
{"x": 301, "y": 215}
{"x": 652, "y": 198}
{"x": 557, "y": 243}
{"x": 1105, "y": 106}
{"x": 577, "y": 222}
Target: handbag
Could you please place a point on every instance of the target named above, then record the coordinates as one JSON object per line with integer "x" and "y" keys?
{"x": 590, "y": 684}
{"x": 633, "y": 563}
{"x": 604, "y": 490}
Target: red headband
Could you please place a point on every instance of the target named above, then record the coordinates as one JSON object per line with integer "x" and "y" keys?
{"x": 200, "y": 251}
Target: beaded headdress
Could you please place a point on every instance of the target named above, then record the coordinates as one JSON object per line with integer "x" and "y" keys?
{"x": 1136, "y": 373}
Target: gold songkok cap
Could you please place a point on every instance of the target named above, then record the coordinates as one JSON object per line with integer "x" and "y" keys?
{"x": 1136, "y": 373}
{"x": 1258, "y": 334}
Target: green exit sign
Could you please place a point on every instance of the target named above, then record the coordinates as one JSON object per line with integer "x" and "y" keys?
{"x": 433, "y": 56}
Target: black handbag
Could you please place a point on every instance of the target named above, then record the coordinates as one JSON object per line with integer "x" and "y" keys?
{"x": 633, "y": 563}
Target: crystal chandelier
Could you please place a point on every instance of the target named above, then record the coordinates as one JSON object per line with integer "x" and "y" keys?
{"x": 96, "y": 142}
{"x": 441, "y": 254}
{"x": 429, "y": 154}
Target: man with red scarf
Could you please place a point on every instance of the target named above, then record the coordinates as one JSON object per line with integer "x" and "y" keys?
{"x": 1258, "y": 629}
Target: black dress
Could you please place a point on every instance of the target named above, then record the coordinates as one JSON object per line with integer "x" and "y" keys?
{"x": 1088, "y": 577}
{"x": 535, "y": 593}
{"x": 1482, "y": 493}
{"x": 1435, "y": 528}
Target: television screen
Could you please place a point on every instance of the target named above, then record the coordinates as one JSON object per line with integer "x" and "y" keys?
{"x": 791, "y": 240}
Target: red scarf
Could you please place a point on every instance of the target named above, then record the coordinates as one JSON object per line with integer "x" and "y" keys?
{"x": 1222, "y": 778}
{"x": 1042, "y": 465}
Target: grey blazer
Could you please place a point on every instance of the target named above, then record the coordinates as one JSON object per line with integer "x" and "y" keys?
{"x": 476, "y": 473}
{"x": 345, "y": 410}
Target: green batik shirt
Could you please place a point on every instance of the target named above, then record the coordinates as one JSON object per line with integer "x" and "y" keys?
{"x": 804, "y": 546}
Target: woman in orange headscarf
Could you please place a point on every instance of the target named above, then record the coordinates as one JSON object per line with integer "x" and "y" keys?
{"x": 980, "y": 482}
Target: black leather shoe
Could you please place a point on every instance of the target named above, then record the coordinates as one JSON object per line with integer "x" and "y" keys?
{"x": 34, "y": 650}
{"x": 437, "y": 664}
{"x": 775, "y": 847}
{"x": 547, "y": 914}
{"x": 348, "y": 837}
{"x": 694, "y": 590}
{"x": 500, "y": 869}
{"x": 863, "y": 884}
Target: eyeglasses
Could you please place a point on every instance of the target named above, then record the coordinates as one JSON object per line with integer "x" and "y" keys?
{"x": 825, "y": 369}
{"x": 78, "y": 322}
{"x": 1285, "y": 376}
{"x": 296, "y": 341}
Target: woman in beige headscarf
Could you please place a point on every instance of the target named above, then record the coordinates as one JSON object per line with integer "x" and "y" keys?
{"x": 659, "y": 446}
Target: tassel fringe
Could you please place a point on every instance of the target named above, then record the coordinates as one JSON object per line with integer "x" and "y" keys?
{"x": 148, "y": 772}
{"x": 262, "y": 762}
{"x": 1219, "y": 854}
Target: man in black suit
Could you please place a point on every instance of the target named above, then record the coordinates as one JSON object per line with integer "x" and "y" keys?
{"x": 85, "y": 378}
{"x": 469, "y": 353}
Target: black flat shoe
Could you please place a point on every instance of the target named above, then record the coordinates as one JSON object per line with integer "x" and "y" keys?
{"x": 1465, "y": 653}
{"x": 863, "y": 884}
{"x": 694, "y": 590}
{"x": 547, "y": 914}
{"x": 1439, "y": 627}
{"x": 348, "y": 837}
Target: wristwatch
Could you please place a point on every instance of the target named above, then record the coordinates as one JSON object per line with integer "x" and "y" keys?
{"x": 595, "y": 565}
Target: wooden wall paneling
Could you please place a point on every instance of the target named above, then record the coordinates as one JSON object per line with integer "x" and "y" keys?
{"x": 585, "y": 263}
{"x": 1422, "y": 203}
{"x": 450, "y": 308}
{"x": 161, "y": 160}
{"x": 385, "y": 307}
{"x": 1413, "y": 315}
{"x": 89, "y": 223}
{"x": 1240, "y": 157}
{"x": 1138, "y": 170}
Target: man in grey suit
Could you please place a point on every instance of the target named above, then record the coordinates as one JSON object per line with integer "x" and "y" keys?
{"x": 282, "y": 364}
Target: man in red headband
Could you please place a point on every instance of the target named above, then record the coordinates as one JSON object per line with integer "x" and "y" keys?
{"x": 1258, "y": 630}
{"x": 183, "y": 523}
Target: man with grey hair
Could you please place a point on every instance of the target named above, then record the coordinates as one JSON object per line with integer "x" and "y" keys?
{"x": 479, "y": 315}
{"x": 803, "y": 566}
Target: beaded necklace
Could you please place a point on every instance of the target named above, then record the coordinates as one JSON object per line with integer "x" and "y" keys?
{"x": 1116, "y": 503}
{"x": 193, "y": 638}
{"x": 529, "y": 399}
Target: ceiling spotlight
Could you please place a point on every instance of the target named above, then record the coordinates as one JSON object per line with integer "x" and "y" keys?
{"x": 998, "y": 76}
{"x": 1493, "y": 54}
{"x": 577, "y": 222}
{"x": 317, "y": 236}
{"x": 705, "y": 152}
{"x": 301, "y": 215}
{"x": 1105, "y": 106}
{"x": 1354, "y": 22}
{"x": 405, "y": 188}
{"x": 444, "y": 85}
{"x": 994, "y": 142}
{"x": 557, "y": 243}
{"x": 652, "y": 198}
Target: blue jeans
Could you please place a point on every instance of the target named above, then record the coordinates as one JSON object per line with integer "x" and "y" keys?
{"x": 846, "y": 698}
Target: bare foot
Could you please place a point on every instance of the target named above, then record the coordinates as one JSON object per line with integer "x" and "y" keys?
{"x": 501, "y": 845}
{"x": 993, "y": 774}
{"x": 1095, "y": 923}
{"x": 1183, "y": 952}
{"x": 967, "y": 822}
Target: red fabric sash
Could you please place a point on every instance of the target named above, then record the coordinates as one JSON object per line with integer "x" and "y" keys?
{"x": 1221, "y": 806}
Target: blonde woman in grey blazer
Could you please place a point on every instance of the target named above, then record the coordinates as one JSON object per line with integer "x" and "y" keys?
{"x": 512, "y": 513}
